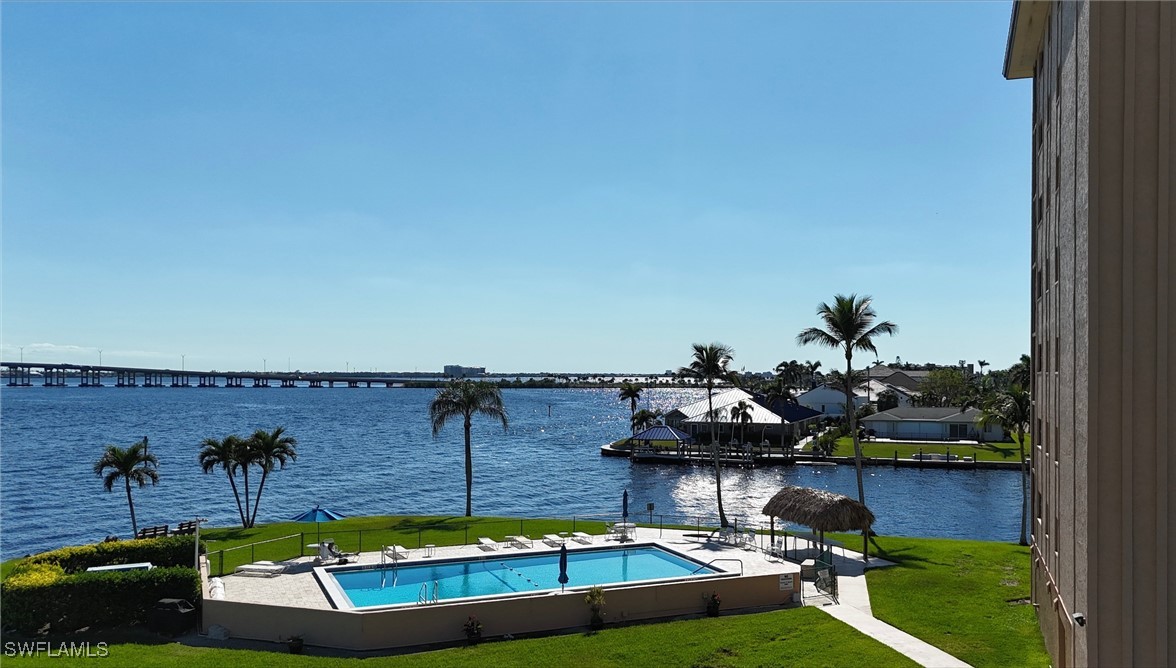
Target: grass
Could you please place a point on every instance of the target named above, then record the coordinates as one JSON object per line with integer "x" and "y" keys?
{"x": 968, "y": 598}
{"x": 994, "y": 452}
{"x": 229, "y": 547}
{"x": 797, "y": 637}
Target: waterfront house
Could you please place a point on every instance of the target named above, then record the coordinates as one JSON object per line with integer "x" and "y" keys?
{"x": 765, "y": 425}
{"x": 930, "y": 424}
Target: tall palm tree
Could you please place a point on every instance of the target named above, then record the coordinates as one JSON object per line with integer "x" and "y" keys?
{"x": 632, "y": 393}
{"x": 710, "y": 364}
{"x": 270, "y": 449}
{"x": 1012, "y": 409}
{"x": 132, "y": 464}
{"x": 226, "y": 454}
{"x": 465, "y": 399}
{"x": 791, "y": 372}
{"x": 644, "y": 419}
{"x": 849, "y": 326}
{"x": 981, "y": 364}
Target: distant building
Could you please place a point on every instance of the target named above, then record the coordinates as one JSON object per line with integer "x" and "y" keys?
{"x": 458, "y": 371}
{"x": 765, "y": 425}
{"x": 1104, "y": 353}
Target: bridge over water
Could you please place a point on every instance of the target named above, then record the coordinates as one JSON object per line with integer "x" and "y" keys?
{"x": 20, "y": 374}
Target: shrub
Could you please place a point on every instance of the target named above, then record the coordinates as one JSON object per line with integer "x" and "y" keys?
{"x": 42, "y": 594}
{"x": 163, "y": 552}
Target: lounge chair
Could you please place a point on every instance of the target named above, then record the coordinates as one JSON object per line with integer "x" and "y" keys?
{"x": 488, "y": 544}
{"x": 749, "y": 540}
{"x": 611, "y": 532}
{"x": 581, "y": 537}
{"x": 395, "y": 552}
{"x": 554, "y": 540}
{"x": 520, "y": 542}
{"x": 267, "y": 569}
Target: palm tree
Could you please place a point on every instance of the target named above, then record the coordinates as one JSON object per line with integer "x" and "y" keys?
{"x": 1012, "y": 410}
{"x": 710, "y": 364}
{"x": 132, "y": 464}
{"x": 644, "y": 419}
{"x": 269, "y": 449}
{"x": 226, "y": 454}
{"x": 811, "y": 368}
{"x": 849, "y": 325}
{"x": 741, "y": 413}
{"x": 632, "y": 393}
{"x": 1021, "y": 373}
{"x": 981, "y": 364}
{"x": 465, "y": 399}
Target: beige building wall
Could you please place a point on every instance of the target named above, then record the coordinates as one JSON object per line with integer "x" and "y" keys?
{"x": 1102, "y": 342}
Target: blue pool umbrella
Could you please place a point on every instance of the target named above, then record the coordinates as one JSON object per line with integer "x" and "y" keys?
{"x": 316, "y": 514}
{"x": 563, "y": 566}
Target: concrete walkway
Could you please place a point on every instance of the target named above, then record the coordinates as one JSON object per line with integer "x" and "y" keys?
{"x": 853, "y": 608}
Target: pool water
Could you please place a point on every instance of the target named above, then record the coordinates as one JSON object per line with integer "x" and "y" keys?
{"x": 492, "y": 575}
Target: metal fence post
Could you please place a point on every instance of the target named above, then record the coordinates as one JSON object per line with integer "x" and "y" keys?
{"x": 360, "y": 548}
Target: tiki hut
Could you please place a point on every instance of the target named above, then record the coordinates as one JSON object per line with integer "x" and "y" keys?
{"x": 820, "y": 510}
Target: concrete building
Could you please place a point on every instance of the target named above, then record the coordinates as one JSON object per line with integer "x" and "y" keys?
{"x": 458, "y": 371}
{"x": 1104, "y": 306}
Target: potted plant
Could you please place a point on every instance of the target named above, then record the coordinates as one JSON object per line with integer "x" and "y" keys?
{"x": 712, "y": 604}
{"x": 595, "y": 600}
{"x": 294, "y": 644}
{"x": 473, "y": 630}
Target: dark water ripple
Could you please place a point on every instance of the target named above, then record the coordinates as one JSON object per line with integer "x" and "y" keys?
{"x": 370, "y": 451}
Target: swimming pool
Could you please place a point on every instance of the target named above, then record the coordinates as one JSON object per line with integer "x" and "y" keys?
{"x": 500, "y": 575}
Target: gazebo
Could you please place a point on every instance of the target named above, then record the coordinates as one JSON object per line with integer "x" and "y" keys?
{"x": 661, "y": 432}
{"x": 821, "y": 511}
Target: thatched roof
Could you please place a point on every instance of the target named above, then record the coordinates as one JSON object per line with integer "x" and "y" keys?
{"x": 821, "y": 510}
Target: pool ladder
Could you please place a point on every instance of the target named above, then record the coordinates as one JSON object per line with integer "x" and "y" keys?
{"x": 423, "y": 597}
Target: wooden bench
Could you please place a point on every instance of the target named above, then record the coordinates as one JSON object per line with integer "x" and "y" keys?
{"x": 185, "y": 528}
{"x": 152, "y": 532}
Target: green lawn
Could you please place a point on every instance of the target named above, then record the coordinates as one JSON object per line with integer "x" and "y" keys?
{"x": 965, "y": 597}
{"x": 997, "y": 452}
{"x": 968, "y": 598}
{"x": 368, "y": 534}
{"x": 797, "y": 637}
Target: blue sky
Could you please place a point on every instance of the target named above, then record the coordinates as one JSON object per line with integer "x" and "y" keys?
{"x": 521, "y": 186}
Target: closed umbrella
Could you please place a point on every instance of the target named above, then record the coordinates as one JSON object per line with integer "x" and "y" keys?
{"x": 625, "y": 515}
{"x": 563, "y": 566}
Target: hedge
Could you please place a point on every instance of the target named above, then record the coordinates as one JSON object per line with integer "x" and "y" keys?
{"x": 40, "y": 594}
{"x": 162, "y": 552}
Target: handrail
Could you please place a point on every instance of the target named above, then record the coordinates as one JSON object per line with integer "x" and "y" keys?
{"x": 707, "y": 565}
{"x": 436, "y": 586}
{"x": 260, "y": 542}
{"x": 423, "y": 594}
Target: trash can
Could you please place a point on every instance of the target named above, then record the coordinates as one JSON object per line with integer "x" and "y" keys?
{"x": 172, "y": 616}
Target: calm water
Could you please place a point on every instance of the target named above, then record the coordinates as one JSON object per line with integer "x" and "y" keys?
{"x": 510, "y": 575}
{"x": 370, "y": 451}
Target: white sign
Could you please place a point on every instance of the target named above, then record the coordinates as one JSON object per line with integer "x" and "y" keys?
{"x": 786, "y": 582}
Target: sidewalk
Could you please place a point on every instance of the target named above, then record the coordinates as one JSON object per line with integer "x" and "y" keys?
{"x": 853, "y": 608}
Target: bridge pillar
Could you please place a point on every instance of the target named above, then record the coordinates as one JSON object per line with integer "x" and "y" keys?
{"x": 206, "y": 381}
{"x": 234, "y": 381}
{"x": 288, "y": 382}
{"x": 331, "y": 383}
{"x": 352, "y": 383}
{"x": 126, "y": 379}
{"x": 316, "y": 383}
{"x": 54, "y": 377}
{"x": 180, "y": 380}
{"x": 261, "y": 382}
{"x": 20, "y": 376}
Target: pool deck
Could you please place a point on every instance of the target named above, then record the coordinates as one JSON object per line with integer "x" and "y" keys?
{"x": 298, "y": 587}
